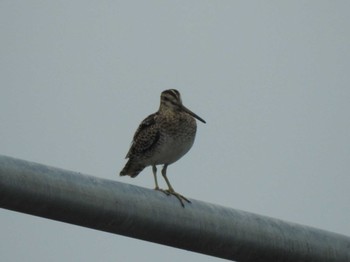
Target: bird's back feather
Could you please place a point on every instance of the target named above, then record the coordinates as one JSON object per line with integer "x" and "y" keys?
{"x": 146, "y": 135}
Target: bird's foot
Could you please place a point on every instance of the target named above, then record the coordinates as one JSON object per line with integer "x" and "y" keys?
{"x": 180, "y": 197}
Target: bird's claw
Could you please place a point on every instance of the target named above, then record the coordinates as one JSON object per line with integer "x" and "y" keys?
{"x": 177, "y": 195}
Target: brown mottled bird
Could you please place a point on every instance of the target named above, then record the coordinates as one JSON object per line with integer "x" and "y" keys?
{"x": 162, "y": 139}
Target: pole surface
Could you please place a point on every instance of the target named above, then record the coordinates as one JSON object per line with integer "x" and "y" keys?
{"x": 150, "y": 215}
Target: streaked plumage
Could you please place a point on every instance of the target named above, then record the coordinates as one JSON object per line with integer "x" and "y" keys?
{"x": 162, "y": 139}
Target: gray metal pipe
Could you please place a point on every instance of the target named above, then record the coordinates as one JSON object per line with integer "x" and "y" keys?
{"x": 146, "y": 214}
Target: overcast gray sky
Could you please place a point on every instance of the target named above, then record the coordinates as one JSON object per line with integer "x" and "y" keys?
{"x": 271, "y": 78}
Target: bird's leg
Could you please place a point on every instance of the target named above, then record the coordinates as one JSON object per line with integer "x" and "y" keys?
{"x": 171, "y": 189}
{"x": 154, "y": 169}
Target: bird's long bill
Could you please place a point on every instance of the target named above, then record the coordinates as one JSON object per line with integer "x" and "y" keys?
{"x": 192, "y": 114}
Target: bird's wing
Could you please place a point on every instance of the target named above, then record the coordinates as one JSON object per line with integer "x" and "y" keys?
{"x": 146, "y": 135}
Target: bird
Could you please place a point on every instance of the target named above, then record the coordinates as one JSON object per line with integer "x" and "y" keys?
{"x": 162, "y": 138}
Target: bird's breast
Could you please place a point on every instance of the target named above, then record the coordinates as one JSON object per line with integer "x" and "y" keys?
{"x": 176, "y": 139}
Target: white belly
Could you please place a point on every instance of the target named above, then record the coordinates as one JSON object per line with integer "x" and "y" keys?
{"x": 170, "y": 150}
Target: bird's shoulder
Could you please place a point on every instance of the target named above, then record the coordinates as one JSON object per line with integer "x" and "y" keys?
{"x": 147, "y": 124}
{"x": 146, "y": 135}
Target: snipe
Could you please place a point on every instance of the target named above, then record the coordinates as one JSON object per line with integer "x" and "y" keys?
{"x": 163, "y": 138}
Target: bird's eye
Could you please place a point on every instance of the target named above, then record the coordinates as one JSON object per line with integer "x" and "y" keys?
{"x": 166, "y": 99}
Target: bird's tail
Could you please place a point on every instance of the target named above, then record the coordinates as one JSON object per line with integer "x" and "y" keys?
{"x": 131, "y": 169}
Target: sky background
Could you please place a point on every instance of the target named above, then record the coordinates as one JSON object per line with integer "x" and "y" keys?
{"x": 271, "y": 78}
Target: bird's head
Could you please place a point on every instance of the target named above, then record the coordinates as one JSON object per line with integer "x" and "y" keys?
{"x": 171, "y": 100}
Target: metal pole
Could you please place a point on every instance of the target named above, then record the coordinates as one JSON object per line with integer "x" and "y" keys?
{"x": 150, "y": 215}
